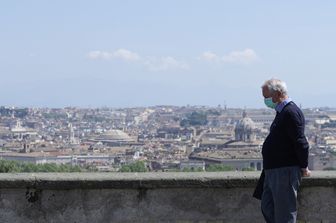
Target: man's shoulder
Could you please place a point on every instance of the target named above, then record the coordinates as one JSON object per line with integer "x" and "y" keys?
{"x": 291, "y": 107}
{"x": 293, "y": 111}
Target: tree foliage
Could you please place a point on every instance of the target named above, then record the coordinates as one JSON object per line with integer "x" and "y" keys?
{"x": 199, "y": 169}
{"x": 194, "y": 119}
{"x": 138, "y": 166}
{"x": 8, "y": 166}
{"x": 248, "y": 169}
{"x": 218, "y": 167}
{"x": 18, "y": 112}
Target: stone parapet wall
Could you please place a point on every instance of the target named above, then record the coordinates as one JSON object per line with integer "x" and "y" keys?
{"x": 152, "y": 197}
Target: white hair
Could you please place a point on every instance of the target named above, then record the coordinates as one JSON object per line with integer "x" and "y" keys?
{"x": 276, "y": 85}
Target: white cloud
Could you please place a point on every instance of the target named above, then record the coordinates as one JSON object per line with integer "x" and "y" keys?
{"x": 126, "y": 55}
{"x": 209, "y": 56}
{"x": 121, "y": 54}
{"x": 246, "y": 56}
{"x": 151, "y": 63}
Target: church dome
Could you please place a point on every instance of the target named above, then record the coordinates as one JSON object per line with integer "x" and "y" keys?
{"x": 246, "y": 124}
{"x": 245, "y": 129}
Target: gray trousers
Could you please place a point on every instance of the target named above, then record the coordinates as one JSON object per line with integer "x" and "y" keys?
{"x": 278, "y": 201}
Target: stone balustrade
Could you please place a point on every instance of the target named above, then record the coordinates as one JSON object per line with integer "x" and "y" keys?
{"x": 152, "y": 197}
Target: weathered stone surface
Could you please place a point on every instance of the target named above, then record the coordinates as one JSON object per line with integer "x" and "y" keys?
{"x": 152, "y": 197}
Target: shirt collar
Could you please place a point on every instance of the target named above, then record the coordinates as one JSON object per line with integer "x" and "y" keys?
{"x": 281, "y": 105}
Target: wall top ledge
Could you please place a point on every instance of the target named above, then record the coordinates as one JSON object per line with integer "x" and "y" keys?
{"x": 231, "y": 179}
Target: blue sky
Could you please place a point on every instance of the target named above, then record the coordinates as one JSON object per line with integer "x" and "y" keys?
{"x": 142, "y": 53}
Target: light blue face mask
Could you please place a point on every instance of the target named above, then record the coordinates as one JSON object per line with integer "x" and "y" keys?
{"x": 269, "y": 103}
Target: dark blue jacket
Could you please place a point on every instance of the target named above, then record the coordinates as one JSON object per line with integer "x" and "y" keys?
{"x": 286, "y": 144}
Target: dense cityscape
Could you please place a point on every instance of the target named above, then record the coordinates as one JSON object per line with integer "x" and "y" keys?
{"x": 159, "y": 138}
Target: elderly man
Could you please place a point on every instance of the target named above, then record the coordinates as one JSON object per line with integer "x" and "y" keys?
{"x": 285, "y": 155}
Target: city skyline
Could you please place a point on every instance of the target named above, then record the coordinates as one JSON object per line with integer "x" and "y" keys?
{"x": 130, "y": 54}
